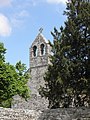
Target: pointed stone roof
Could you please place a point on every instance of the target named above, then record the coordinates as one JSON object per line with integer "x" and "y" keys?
{"x": 40, "y": 38}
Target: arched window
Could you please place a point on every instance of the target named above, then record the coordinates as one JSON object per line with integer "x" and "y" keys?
{"x": 42, "y": 49}
{"x": 35, "y": 51}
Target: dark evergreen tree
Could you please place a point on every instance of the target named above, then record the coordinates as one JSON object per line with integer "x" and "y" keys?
{"x": 77, "y": 39}
{"x": 68, "y": 78}
{"x": 55, "y": 78}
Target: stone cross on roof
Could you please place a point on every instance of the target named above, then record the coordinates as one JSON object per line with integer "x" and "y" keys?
{"x": 40, "y": 30}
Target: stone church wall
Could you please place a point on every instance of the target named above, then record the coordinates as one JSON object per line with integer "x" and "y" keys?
{"x": 36, "y": 79}
{"x": 54, "y": 114}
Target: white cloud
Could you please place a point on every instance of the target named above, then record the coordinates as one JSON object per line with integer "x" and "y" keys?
{"x": 56, "y": 1}
{"x": 16, "y": 23}
{"x": 5, "y": 28}
{"x": 23, "y": 13}
{"x": 18, "y": 19}
{"x": 5, "y": 3}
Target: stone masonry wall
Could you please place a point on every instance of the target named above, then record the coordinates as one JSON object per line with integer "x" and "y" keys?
{"x": 54, "y": 114}
{"x": 66, "y": 114}
{"x": 35, "y": 102}
{"x": 18, "y": 114}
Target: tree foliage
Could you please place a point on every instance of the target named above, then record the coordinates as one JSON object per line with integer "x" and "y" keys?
{"x": 13, "y": 80}
{"x": 68, "y": 77}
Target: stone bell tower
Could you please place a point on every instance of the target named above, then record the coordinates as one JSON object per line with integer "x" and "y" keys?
{"x": 39, "y": 59}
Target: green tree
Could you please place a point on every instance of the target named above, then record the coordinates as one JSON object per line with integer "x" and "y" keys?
{"x": 77, "y": 37}
{"x": 13, "y": 80}
{"x": 55, "y": 78}
{"x": 68, "y": 78}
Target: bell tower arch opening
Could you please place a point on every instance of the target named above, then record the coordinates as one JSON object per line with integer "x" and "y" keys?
{"x": 34, "y": 50}
{"x": 42, "y": 47}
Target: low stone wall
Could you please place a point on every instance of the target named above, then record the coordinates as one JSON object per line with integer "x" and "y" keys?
{"x": 54, "y": 114}
{"x": 18, "y": 114}
{"x": 66, "y": 114}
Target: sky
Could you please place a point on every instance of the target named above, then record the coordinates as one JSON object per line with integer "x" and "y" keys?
{"x": 20, "y": 21}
